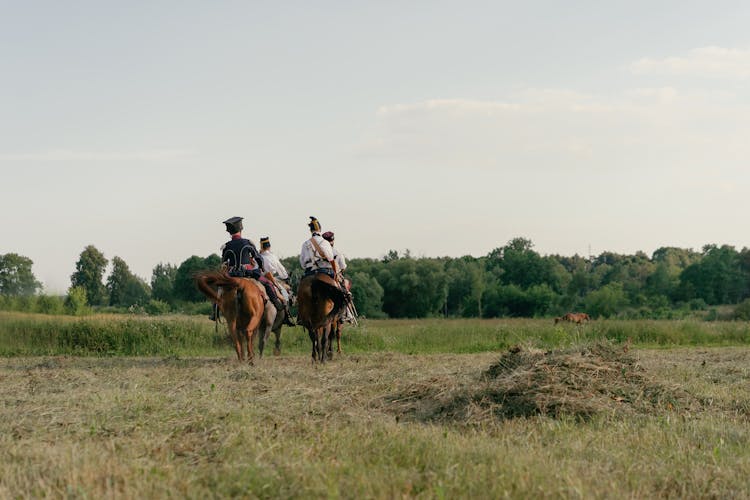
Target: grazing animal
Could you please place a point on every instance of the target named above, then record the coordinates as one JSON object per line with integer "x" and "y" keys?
{"x": 577, "y": 318}
{"x": 241, "y": 302}
{"x": 319, "y": 302}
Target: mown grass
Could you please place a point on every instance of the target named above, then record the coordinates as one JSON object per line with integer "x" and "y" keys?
{"x": 209, "y": 427}
{"x": 129, "y": 335}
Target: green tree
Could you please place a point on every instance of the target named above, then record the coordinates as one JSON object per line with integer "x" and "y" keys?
{"x": 718, "y": 278}
{"x": 184, "y": 281}
{"x": 162, "y": 282}
{"x": 89, "y": 274}
{"x": 124, "y": 288}
{"x": 367, "y": 295}
{"x": 16, "y": 277}
{"x": 413, "y": 288}
{"x": 607, "y": 301}
{"x": 466, "y": 286}
{"x": 518, "y": 264}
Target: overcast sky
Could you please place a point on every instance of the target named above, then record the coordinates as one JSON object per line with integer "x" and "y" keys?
{"x": 446, "y": 128}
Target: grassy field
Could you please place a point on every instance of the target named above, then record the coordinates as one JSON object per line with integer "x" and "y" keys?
{"x": 128, "y": 335}
{"x": 205, "y": 426}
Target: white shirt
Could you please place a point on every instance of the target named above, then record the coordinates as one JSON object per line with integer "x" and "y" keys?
{"x": 309, "y": 256}
{"x": 272, "y": 264}
{"x": 340, "y": 261}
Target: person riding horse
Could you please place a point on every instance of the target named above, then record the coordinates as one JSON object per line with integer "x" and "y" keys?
{"x": 346, "y": 285}
{"x": 320, "y": 298}
{"x": 277, "y": 274}
{"x": 242, "y": 260}
{"x": 316, "y": 255}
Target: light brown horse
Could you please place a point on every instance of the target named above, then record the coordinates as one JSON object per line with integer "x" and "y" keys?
{"x": 319, "y": 302}
{"x": 577, "y": 318}
{"x": 240, "y": 302}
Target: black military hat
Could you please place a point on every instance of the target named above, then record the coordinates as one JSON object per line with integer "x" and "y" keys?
{"x": 234, "y": 225}
{"x": 265, "y": 242}
{"x": 314, "y": 224}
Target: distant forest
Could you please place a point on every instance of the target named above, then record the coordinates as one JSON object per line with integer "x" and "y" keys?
{"x": 511, "y": 281}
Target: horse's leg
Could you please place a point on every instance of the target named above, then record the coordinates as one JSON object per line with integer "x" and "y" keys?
{"x": 329, "y": 338}
{"x": 322, "y": 338}
{"x": 338, "y": 337}
{"x": 265, "y": 329}
{"x": 313, "y": 339}
{"x": 232, "y": 325}
{"x": 250, "y": 348}
{"x": 277, "y": 345}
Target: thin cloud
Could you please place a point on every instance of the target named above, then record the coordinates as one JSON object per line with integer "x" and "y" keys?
{"x": 456, "y": 106}
{"x": 711, "y": 61}
{"x": 99, "y": 156}
{"x": 562, "y": 129}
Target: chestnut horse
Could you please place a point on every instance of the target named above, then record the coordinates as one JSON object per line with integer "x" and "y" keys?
{"x": 576, "y": 318}
{"x": 338, "y": 323}
{"x": 334, "y": 333}
{"x": 241, "y": 303}
{"x": 319, "y": 302}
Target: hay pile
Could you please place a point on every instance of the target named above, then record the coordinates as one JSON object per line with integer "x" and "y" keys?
{"x": 581, "y": 382}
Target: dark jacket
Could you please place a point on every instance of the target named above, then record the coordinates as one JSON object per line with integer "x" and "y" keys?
{"x": 239, "y": 254}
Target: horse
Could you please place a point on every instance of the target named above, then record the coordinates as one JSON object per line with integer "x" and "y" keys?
{"x": 319, "y": 302}
{"x": 273, "y": 320}
{"x": 577, "y": 318}
{"x": 337, "y": 324}
{"x": 334, "y": 333}
{"x": 241, "y": 303}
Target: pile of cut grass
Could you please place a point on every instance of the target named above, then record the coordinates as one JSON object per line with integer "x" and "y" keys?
{"x": 595, "y": 379}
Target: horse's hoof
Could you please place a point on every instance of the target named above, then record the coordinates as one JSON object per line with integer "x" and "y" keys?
{"x": 277, "y": 352}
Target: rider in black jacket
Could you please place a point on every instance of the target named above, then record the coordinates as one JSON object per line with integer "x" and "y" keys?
{"x": 242, "y": 260}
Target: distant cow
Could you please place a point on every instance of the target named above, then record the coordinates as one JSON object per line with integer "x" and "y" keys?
{"x": 577, "y": 318}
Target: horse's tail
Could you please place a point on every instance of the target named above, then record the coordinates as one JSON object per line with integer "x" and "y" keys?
{"x": 328, "y": 289}
{"x": 207, "y": 280}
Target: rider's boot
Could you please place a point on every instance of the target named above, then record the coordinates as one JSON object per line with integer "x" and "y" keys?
{"x": 214, "y": 313}
{"x": 288, "y": 316}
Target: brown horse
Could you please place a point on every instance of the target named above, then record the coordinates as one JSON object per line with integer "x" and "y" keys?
{"x": 338, "y": 323}
{"x": 240, "y": 302}
{"x": 577, "y": 318}
{"x": 319, "y": 302}
{"x": 334, "y": 333}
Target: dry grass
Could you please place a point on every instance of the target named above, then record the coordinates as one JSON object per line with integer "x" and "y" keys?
{"x": 209, "y": 427}
{"x": 581, "y": 382}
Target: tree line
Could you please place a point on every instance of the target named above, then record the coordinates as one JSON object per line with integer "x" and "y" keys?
{"x": 511, "y": 281}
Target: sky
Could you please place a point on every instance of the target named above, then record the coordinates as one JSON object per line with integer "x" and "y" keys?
{"x": 444, "y": 128}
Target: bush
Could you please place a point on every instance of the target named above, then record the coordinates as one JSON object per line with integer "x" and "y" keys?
{"x": 50, "y": 304}
{"x": 742, "y": 311}
{"x": 155, "y": 307}
{"x": 76, "y": 302}
{"x": 697, "y": 305}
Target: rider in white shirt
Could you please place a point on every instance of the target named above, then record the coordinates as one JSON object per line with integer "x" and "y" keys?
{"x": 271, "y": 263}
{"x": 316, "y": 255}
{"x": 338, "y": 257}
{"x": 275, "y": 271}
